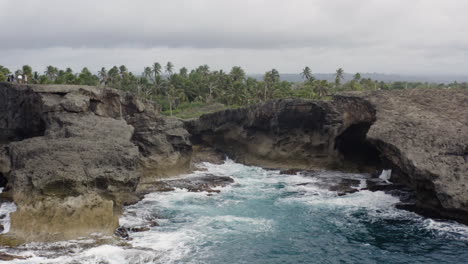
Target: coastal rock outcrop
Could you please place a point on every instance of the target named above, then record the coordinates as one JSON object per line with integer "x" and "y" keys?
{"x": 422, "y": 135}
{"x": 73, "y": 155}
{"x": 288, "y": 133}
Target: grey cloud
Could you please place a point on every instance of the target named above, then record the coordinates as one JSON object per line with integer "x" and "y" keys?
{"x": 207, "y": 23}
{"x": 362, "y": 35}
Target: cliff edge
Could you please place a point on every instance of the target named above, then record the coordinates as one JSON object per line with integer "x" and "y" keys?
{"x": 71, "y": 156}
{"x": 422, "y": 135}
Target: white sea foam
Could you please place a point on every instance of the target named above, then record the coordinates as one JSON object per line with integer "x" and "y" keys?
{"x": 101, "y": 254}
{"x": 192, "y": 223}
{"x": 386, "y": 175}
{"x": 448, "y": 229}
{"x": 5, "y": 210}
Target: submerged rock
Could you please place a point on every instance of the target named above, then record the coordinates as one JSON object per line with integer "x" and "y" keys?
{"x": 192, "y": 184}
{"x": 8, "y": 257}
{"x": 122, "y": 232}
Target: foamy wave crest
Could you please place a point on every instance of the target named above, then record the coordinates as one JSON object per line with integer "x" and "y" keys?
{"x": 451, "y": 230}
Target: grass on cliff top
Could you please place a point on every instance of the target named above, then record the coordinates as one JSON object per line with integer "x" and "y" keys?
{"x": 196, "y": 109}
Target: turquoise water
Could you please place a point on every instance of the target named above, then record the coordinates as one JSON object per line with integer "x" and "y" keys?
{"x": 266, "y": 217}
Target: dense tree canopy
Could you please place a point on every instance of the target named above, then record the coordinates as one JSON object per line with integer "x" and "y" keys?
{"x": 170, "y": 88}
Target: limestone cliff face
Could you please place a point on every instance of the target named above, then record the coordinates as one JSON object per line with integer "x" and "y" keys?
{"x": 421, "y": 134}
{"x": 75, "y": 154}
{"x": 284, "y": 133}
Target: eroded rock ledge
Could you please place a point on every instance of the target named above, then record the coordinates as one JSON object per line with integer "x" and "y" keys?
{"x": 73, "y": 155}
{"x": 422, "y": 135}
{"x": 288, "y": 133}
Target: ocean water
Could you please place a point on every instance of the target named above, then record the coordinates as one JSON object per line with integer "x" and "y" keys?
{"x": 267, "y": 217}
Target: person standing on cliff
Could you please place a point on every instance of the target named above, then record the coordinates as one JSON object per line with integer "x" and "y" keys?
{"x": 19, "y": 78}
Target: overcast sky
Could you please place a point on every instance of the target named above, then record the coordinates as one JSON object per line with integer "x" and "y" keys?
{"x": 386, "y": 36}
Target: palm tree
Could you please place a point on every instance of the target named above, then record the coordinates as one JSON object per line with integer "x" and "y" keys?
{"x": 174, "y": 94}
{"x": 183, "y": 72}
{"x": 169, "y": 68}
{"x": 51, "y": 72}
{"x": 339, "y": 76}
{"x": 321, "y": 88}
{"x": 237, "y": 74}
{"x": 157, "y": 69}
{"x": 27, "y": 71}
{"x": 271, "y": 79}
{"x": 103, "y": 76}
{"x": 113, "y": 76}
{"x": 204, "y": 70}
{"x": 306, "y": 73}
{"x": 147, "y": 72}
{"x": 357, "y": 77}
{"x": 123, "y": 70}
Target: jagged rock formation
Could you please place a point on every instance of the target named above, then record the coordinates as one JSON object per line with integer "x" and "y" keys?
{"x": 288, "y": 133}
{"x": 73, "y": 155}
{"x": 422, "y": 135}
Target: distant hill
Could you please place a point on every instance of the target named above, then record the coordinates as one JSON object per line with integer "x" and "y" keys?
{"x": 291, "y": 77}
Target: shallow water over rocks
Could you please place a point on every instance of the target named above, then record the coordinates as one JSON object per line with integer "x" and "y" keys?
{"x": 267, "y": 217}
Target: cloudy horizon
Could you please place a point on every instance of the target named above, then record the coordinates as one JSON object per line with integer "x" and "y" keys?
{"x": 385, "y": 36}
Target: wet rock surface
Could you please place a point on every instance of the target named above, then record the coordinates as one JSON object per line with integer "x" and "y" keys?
{"x": 203, "y": 153}
{"x": 204, "y": 183}
{"x": 339, "y": 182}
{"x": 8, "y": 257}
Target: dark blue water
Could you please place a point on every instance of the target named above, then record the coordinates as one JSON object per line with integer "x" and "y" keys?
{"x": 266, "y": 217}
{"x": 271, "y": 218}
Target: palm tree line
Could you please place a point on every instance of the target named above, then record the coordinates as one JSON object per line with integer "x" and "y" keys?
{"x": 170, "y": 88}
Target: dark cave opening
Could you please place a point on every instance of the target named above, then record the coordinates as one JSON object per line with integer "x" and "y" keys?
{"x": 3, "y": 180}
{"x": 31, "y": 128}
{"x": 354, "y": 148}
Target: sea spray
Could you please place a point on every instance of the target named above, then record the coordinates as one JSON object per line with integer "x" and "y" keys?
{"x": 386, "y": 175}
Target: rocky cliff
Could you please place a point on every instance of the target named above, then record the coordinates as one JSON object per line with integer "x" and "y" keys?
{"x": 72, "y": 155}
{"x": 288, "y": 133}
{"x": 422, "y": 135}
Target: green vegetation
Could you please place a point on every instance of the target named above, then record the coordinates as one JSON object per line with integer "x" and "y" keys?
{"x": 191, "y": 93}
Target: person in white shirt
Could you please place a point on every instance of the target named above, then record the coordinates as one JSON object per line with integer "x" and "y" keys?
{"x": 20, "y": 78}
